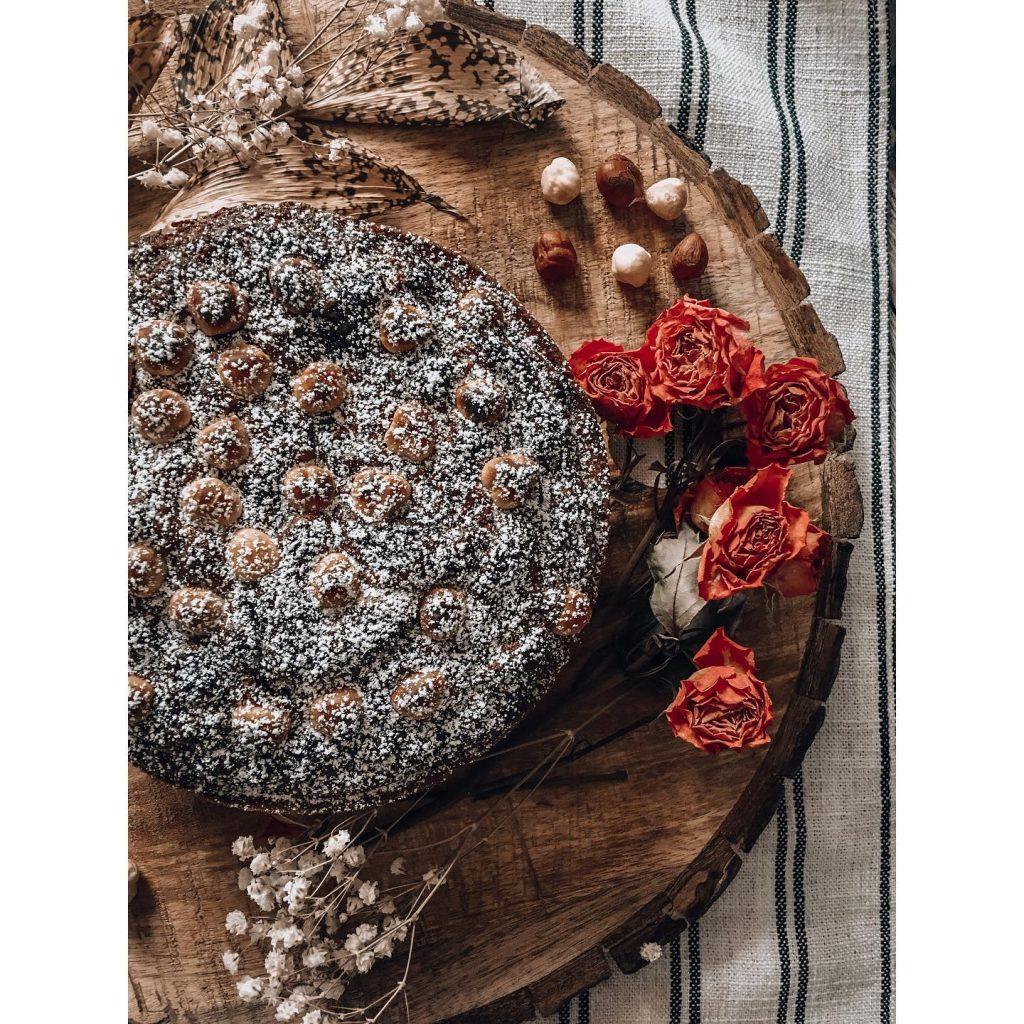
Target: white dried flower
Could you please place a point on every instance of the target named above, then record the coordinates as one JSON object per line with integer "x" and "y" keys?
{"x": 151, "y": 179}
{"x": 295, "y": 75}
{"x": 336, "y": 149}
{"x": 368, "y": 893}
{"x": 281, "y": 130}
{"x": 231, "y": 961}
{"x": 270, "y": 56}
{"x": 377, "y": 27}
{"x": 287, "y": 1009}
{"x": 295, "y": 892}
{"x": 243, "y": 847}
{"x": 333, "y": 988}
{"x": 398, "y": 866}
{"x": 249, "y": 988}
{"x": 315, "y": 956}
{"x": 364, "y": 961}
{"x": 432, "y": 878}
{"x": 276, "y": 963}
{"x": 288, "y": 937}
{"x": 220, "y": 146}
{"x": 650, "y": 951}
{"x": 294, "y": 96}
{"x": 354, "y": 856}
{"x": 337, "y": 842}
{"x": 172, "y": 138}
{"x": 353, "y": 905}
{"x": 236, "y": 923}
{"x": 313, "y": 1017}
{"x": 260, "y": 864}
{"x": 386, "y": 906}
{"x": 395, "y": 18}
{"x": 258, "y": 931}
{"x": 244, "y": 879}
{"x": 413, "y": 23}
{"x": 176, "y": 178}
{"x": 151, "y": 133}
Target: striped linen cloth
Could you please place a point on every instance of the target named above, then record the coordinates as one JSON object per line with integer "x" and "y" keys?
{"x": 794, "y": 98}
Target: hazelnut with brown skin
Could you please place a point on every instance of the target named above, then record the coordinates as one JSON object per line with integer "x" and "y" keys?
{"x": 380, "y": 496}
{"x": 160, "y": 415}
{"x": 335, "y": 580}
{"x": 140, "y": 697}
{"x": 689, "y": 258}
{"x": 411, "y": 434}
{"x": 146, "y": 570}
{"x": 224, "y": 443}
{"x": 554, "y": 256}
{"x": 419, "y": 694}
{"x": 252, "y": 554}
{"x": 620, "y": 182}
{"x": 510, "y": 479}
{"x": 319, "y": 388}
{"x": 195, "y": 611}
{"x": 218, "y": 307}
{"x": 572, "y": 612}
{"x": 271, "y": 722}
{"x": 335, "y": 711}
{"x": 211, "y": 503}
{"x": 245, "y": 370}
{"x": 163, "y": 347}
{"x": 309, "y": 489}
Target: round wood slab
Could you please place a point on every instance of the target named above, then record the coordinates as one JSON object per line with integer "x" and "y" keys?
{"x": 630, "y": 843}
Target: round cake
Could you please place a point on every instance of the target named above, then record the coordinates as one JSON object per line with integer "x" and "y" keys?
{"x": 367, "y": 510}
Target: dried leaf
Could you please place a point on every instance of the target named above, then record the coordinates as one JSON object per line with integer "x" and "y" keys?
{"x": 673, "y": 562}
{"x": 360, "y": 184}
{"x": 152, "y": 39}
{"x": 444, "y": 75}
{"x": 213, "y": 50}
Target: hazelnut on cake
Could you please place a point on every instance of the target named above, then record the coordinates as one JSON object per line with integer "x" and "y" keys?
{"x": 367, "y": 510}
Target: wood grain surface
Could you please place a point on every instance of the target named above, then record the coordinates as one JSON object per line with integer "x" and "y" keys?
{"x": 631, "y": 842}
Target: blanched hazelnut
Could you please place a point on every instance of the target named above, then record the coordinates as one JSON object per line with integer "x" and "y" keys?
{"x": 210, "y": 502}
{"x": 631, "y": 264}
{"x": 689, "y": 258}
{"x": 404, "y": 326}
{"x": 245, "y": 370}
{"x": 620, "y": 182}
{"x": 146, "y": 570}
{"x": 297, "y": 283}
{"x": 218, "y": 307}
{"x": 443, "y": 614}
{"x": 163, "y": 348}
{"x": 480, "y": 398}
{"x": 419, "y": 694}
{"x": 320, "y": 387}
{"x": 140, "y": 698}
{"x": 510, "y": 479}
{"x": 309, "y": 489}
{"x": 336, "y": 580}
{"x": 195, "y": 611}
{"x": 411, "y": 434}
{"x": 380, "y": 496}
{"x": 224, "y": 443}
{"x": 554, "y": 256}
{"x": 160, "y": 415}
{"x": 667, "y": 198}
{"x": 560, "y": 181}
{"x": 336, "y": 712}
{"x": 572, "y": 612}
{"x": 252, "y": 554}
{"x": 264, "y": 719}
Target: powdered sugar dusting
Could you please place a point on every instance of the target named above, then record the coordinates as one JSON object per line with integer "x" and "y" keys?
{"x": 230, "y": 712}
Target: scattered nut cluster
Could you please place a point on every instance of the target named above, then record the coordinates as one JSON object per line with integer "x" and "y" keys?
{"x": 621, "y": 183}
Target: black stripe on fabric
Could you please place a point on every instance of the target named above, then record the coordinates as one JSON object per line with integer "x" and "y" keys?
{"x": 781, "y": 846}
{"x": 565, "y": 1012}
{"x": 583, "y": 1007}
{"x": 799, "y": 900}
{"x": 578, "y": 24}
{"x": 890, "y": 244}
{"x": 878, "y": 521}
{"x": 789, "y": 77}
{"x": 782, "y": 211}
{"x": 693, "y": 955}
{"x": 675, "y": 991}
{"x": 686, "y": 71}
{"x": 704, "y": 86}
{"x": 597, "y": 31}
{"x": 489, "y": 4}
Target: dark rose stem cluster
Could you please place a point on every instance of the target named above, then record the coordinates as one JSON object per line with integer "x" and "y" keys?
{"x": 700, "y": 358}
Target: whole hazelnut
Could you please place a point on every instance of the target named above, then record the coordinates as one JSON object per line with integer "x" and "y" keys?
{"x": 631, "y": 264}
{"x": 196, "y": 612}
{"x": 160, "y": 415}
{"x": 689, "y": 258}
{"x": 667, "y": 198}
{"x": 146, "y": 570}
{"x": 560, "y": 181}
{"x": 620, "y": 182}
{"x": 252, "y": 554}
{"x": 245, "y": 370}
{"x": 554, "y": 256}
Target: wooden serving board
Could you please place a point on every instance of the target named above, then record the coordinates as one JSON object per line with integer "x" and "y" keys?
{"x": 630, "y": 843}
